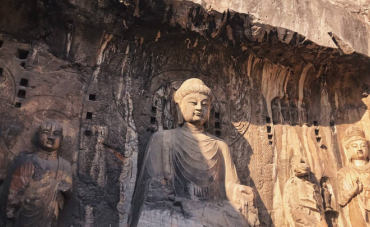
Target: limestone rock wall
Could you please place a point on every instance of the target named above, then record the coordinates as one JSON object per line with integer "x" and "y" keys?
{"x": 108, "y": 69}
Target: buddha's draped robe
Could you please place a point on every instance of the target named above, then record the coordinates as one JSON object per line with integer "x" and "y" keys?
{"x": 356, "y": 210}
{"x": 186, "y": 179}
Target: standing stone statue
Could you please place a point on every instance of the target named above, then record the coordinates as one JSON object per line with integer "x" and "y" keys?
{"x": 354, "y": 180}
{"x": 326, "y": 195}
{"x": 37, "y": 182}
{"x": 188, "y": 177}
{"x": 303, "y": 205}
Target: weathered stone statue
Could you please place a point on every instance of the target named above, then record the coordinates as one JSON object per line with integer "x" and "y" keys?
{"x": 354, "y": 180}
{"x": 303, "y": 205}
{"x": 37, "y": 182}
{"x": 188, "y": 177}
{"x": 326, "y": 195}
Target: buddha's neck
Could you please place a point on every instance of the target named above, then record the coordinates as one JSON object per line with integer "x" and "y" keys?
{"x": 193, "y": 128}
{"x": 48, "y": 155}
{"x": 359, "y": 163}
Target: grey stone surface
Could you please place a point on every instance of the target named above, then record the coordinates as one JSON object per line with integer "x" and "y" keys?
{"x": 108, "y": 69}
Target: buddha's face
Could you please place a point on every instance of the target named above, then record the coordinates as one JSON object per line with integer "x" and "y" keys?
{"x": 358, "y": 150}
{"x": 301, "y": 169}
{"x": 50, "y": 137}
{"x": 195, "y": 108}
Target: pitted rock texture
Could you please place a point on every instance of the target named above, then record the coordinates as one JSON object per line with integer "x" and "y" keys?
{"x": 285, "y": 85}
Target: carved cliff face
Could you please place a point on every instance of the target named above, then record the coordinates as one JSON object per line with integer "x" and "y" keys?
{"x": 195, "y": 108}
{"x": 358, "y": 150}
{"x": 50, "y": 138}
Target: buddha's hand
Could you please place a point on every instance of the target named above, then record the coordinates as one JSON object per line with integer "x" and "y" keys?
{"x": 243, "y": 195}
{"x": 244, "y": 200}
{"x": 243, "y": 192}
{"x": 358, "y": 187}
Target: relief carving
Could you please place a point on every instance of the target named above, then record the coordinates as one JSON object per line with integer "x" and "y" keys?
{"x": 38, "y": 182}
{"x": 326, "y": 194}
{"x": 188, "y": 176}
{"x": 354, "y": 179}
{"x": 303, "y": 205}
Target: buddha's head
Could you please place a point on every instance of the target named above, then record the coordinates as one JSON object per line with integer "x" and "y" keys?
{"x": 355, "y": 144}
{"x": 193, "y": 100}
{"x": 50, "y": 136}
{"x": 301, "y": 168}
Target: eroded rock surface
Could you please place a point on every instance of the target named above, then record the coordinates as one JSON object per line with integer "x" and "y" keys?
{"x": 288, "y": 79}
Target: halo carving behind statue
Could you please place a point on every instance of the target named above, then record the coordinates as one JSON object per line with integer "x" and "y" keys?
{"x": 36, "y": 115}
{"x": 7, "y": 85}
{"x": 162, "y": 111}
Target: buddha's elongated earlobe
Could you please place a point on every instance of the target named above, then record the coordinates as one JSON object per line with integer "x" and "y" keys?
{"x": 180, "y": 118}
{"x": 206, "y": 124}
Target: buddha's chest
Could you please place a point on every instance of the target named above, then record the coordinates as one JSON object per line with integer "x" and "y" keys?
{"x": 198, "y": 172}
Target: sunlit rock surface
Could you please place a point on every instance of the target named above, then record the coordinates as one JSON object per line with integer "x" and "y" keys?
{"x": 288, "y": 79}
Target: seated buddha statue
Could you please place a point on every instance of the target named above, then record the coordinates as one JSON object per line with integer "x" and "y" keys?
{"x": 187, "y": 176}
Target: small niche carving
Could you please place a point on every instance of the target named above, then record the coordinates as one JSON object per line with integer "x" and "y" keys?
{"x": 269, "y": 136}
{"x": 2, "y": 77}
{"x": 218, "y": 133}
{"x": 22, "y": 54}
{"x": 92, "y": 97}
{"x": 268, "y": 129}
{"x": 332, "y": 123}
{"x": 318, "y": 139}
{"x": 217, "y": 115}
{"x": 18, "y": 105}
{"x": 217, "y": 125}
{"x": 268, "y": 120}
{"x": 154, "y": 109}
{"x": 89, "y": 115}
{"x": 88, "y": 133}
{"x": 23, "y": 64}
{"x": 1, "y": 43}
{"x": 316, "y": 132}
{"x": 23, "y": 82}
{"x": 21, "y": 93}
{"x": 315, "y": 123}
{"x": 153, "y": 120}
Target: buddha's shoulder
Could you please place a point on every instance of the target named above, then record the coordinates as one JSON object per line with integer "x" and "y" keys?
{"x": 65, "y": 163}
{"x": 163, "y": 133}
{"x": 25, "y": 157}
{"x": 221, "y": 143}
{"x": 345, "y": 171}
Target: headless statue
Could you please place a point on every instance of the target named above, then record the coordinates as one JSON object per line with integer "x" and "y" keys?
{"x": 188, "y": 176}
{"x": 37, "y": 182}
{"x": 354, "y": 180}
{"x": 303, "y": 205}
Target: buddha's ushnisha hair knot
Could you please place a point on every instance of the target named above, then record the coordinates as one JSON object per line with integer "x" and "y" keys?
{"x": 193, "y": 85}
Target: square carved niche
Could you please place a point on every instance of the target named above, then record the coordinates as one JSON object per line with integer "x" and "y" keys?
{"x": 21, "y": 93}
{"x": 92, "y": 97}
{"x": 23, "y": 82}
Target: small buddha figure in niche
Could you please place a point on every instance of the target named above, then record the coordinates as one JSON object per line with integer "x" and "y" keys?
{"x": 38, "y": 182}
{"x": 303, "y": 205}
{"x": 326, "y": 194}
{"x": 354, "y": 180}
{"x": 188, "y": 176}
